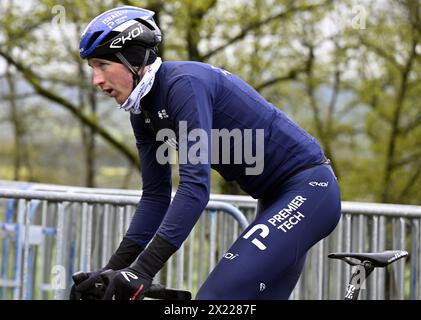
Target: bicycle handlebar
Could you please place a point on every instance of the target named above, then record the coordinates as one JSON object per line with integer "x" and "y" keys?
{"x": 156, "y": 291}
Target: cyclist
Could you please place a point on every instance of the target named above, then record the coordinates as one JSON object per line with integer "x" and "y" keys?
{"x": 189, "y": 106}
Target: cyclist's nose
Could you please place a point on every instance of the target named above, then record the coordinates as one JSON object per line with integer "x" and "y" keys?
{"x": 97, "y": 78}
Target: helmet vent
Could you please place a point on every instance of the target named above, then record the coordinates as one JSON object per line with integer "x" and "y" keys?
{"x": 146, "y": 23}
{"x": 93, "y": 38}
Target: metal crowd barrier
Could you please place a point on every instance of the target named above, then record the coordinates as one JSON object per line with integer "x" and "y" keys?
{"x": 74, "y": 229}
{"x": 49, "y": 235}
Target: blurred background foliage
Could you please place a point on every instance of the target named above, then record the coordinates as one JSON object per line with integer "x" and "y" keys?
{"x": 347, "y": 71}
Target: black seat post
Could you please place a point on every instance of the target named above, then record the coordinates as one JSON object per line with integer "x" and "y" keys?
{"x": 361, "y": 273}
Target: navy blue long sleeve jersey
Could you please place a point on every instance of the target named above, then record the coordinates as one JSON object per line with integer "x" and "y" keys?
{"x": 191, "y": 95}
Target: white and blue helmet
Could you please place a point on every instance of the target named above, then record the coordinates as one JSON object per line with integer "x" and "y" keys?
{"x": 118, "y": 28}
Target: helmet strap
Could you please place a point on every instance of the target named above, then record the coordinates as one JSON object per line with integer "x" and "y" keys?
{"x": 136, "y": 73}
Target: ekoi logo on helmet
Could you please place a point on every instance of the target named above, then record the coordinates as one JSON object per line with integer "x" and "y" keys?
{"x": 132, "y": 34}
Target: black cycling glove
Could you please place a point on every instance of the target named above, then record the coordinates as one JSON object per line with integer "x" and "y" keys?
{"x": 132, "y": 282}
{"x": 91, "y": 288}
{"x": 125, "y": 254}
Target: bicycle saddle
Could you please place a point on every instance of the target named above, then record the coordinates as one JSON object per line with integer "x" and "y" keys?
{"x": 378, "y": 259}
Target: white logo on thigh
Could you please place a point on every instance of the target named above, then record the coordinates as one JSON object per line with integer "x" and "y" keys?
{"x": 163, "y": 114}
{"x": 230, "y": 256}
{"x": 264, "y": 233}
{"x": 319, "y": 184}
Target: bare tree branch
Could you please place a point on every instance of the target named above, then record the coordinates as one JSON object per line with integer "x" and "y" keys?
{"x": 22, "y": 96}
{"x": 256, "y": 25}
{"x": 407, "y": 160}
{"x": 410, "y": 183}
{"x": 196, "y": 15}
{"x": 35, "y": 83}
{"x": 336, "y": 87}
{"x": 413, "y": 10}
{"x": 381, "y": 52}
{"x": 392, "y": 140}
{"x": 291, "y": 75}
{"x": 415, "y": 123}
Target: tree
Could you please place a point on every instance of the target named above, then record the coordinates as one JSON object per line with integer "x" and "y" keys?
{"x": 348, "y": 72}
{"x": 42, "y": 20}
{"x": 390, "y": 73}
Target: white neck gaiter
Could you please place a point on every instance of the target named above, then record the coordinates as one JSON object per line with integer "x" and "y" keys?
{"x": 132, "y": 103}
